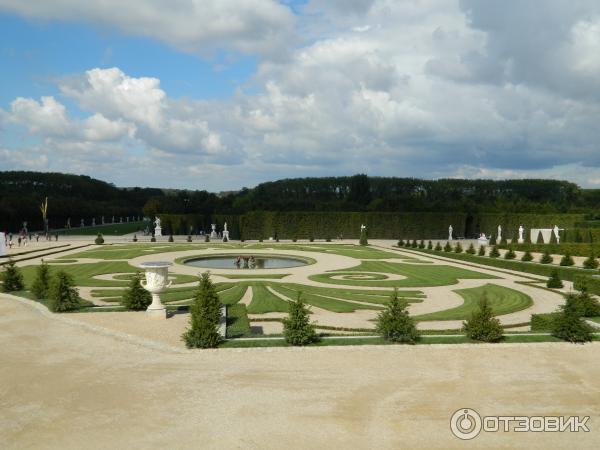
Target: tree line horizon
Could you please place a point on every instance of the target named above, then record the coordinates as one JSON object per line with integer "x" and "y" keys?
{"x": 82, "y": 197}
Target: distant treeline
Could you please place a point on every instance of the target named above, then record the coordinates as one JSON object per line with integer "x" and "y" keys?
{"x": 77, "y": 197}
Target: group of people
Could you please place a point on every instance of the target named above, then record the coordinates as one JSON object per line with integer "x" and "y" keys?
{"x": 23, "y": 238}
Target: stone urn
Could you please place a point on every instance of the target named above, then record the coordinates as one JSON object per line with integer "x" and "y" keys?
{"x": 157, "y": 281}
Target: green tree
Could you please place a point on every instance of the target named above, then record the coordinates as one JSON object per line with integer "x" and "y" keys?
{"x": 438, "y": 247}
{"x": 394, "y": 323}
{"x": 527, "y": 256}
{"x": 591, "y": 262}
{"x": 554, "y": 282}
{"x": 567, "y": 260}
{"x": 136, "y": 298}
{"x": 458, "y": 248}
{"x": 447, "y": 247}
{"x": 510, "y": 254}
{"x": 429, "y": 245}
{"x": 482, "y": 325}
{"x": 99, "y": 239}
{"x": 494, "y": 253}
{"x": 546, "y": 258}
{"x": 41, "y": 284}
{"x": 297, "y": 328}
{"x": 205, "y": 315}
{"x": 471, "y": 249}
{"x": 568, "y": 323}
{"x": 422, "y": 244}
{"x": 481, "y": 251}
{"x": 62, "y": 295}
{"x": 400, "y": 243}
{"x": 363, "y": 237}
{"x": 12, "y": 279}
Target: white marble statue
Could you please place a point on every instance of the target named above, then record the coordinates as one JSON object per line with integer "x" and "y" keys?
{"x": 450, "y": 229}
{"x": 362, "y": 228}
{"x": 157, "y": 228}
{"x": 521, "y": 230}
{"x": 556, "y": 230}
{"x": 225, "y": 227}
{"x": 499, "y": 238}
{"x": 225, "y": 233}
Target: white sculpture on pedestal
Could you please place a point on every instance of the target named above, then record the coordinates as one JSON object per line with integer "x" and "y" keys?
{"x": 213, "y": 233}
{"x": 521, "y": 229}
{"x": 450, "y": 229}
{"x": 556, "y": 230}
{"x": 157, "y": 280}
{"x": 225, "y": 233}
{"x": 499, "y": 237}
{"x": 157, "y": 229}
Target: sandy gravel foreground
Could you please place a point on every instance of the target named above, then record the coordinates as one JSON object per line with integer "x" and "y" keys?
{"x": 62, "y": 386}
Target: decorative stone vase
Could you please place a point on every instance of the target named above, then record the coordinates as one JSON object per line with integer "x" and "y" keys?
{"x": 157, "y": 281}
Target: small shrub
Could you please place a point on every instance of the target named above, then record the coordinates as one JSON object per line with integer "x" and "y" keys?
{"x": 482, "y": 325}
{"x": 297, "y": 328}
{"x": 546, "y": 258}
{"x": 447, "y": 247}
{"x": 481, "y": 251}
{"x": 422, "y": 244}
{"x": 567, "y": 260}
{"x": 542, "y": 322}
{"x": 135, "y": 239}
{"x": 510, "y": 254}
{"x": 414, "y": 244}
{"x": 430, "y": 245}
{"x": 554, "y": 282}
{"x": 568, "y": 324}
{"x": 458, "y": 248}
{"x": 400, "y": 243}
{"x": 136, "y": 298}
{"x": 189, "y": 238}
{"x": 294, "y": 239}
{"x": 363, "y": 237}
{"x": 591, "y": 262}
{"x": 471, "y": 249}
{"x": 527, "y": 256}
{"x": 326, "y": 239}
{"x": 394, "y": 323}
{"x": 171, "y": 238}
{"x": 152, "y": 239}
{"x": 206, "y": 238}
{"x": 494, "y": 253}
{"x": 438, "y": 247}
{"x": 41, "y": 284}
{"x": 99, "y": 239}
{"x": 62, "y": 295}
{"x": 205, "y": 315}
{"x": 588, "y": 305}
{"x": 12, "y": 279}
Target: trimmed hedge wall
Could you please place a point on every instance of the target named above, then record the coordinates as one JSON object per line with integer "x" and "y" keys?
{"x": 571, "y": 248}
{"x": 380, "y": 225}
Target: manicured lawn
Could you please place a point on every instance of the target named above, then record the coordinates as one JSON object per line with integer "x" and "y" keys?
{"x": 264, "y": 301}
{"x": 83, "y": 273}
{"x": 237, "y": 322}
{"x": 329, "y": 304}
{"x": 273, "y": 276}
{"x": 501, "y": 299}
{"x": 416, "y": 275}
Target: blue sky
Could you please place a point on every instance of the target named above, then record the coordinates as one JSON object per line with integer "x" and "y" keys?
{"x": 220, "y": 94}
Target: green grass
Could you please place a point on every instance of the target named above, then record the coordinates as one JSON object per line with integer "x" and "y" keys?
{"x": 274, "y": 276}
{"x": 113, "y": 229}
{"x": 232, "y": 295}
{"x": 416, "y": 275}
{"x": 264, "y": 301}
{"x": 501, "y": 299}
{"x": 329, "y": 304}
{"x": 82, "y": 273}
{"x": 237, "y": 322}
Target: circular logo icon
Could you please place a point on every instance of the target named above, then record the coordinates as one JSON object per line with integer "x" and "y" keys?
{"x": 465, "y": 424}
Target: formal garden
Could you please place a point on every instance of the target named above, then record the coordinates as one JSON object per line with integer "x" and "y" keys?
{"x": 313, "y": 293}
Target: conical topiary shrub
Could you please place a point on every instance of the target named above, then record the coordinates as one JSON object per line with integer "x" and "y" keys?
{"x": 554, "y": 282}
{"x": 546, "y": 258}
{"x": 527, "y": 256}
{"x": 12, "y": 279}
{"x": 567, "y": 260}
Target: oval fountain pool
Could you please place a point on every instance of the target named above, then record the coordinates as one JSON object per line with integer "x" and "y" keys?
{"x": 247, "y": 262}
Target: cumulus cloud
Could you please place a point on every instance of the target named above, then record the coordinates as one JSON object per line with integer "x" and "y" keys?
{"x": 433, "y": 88}
{"x": 199, "y": 26}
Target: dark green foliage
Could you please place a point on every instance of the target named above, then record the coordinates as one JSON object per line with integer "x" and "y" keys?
{"x": 153, "y": 239}
{"x": 588, "y": 305}
{"x": 540, "y": 239}
{"x": 438, "y": 247}
{"x": 503, "y": 239}
{"x": 492, "y": 240}
{"x": 567, "y": 260}
{"x": 553, "y": 238}
{"x": 542, "y": 322}
{"x": 414, "y": 244}
{"x": 482, "y": 326}
{"x": 99, "y": 239}
{"x": 458, "y": 248}
{"x": 62, "y": 295}
{"x": 546, "y": 258}
{"x": 394, "y": 323}
{"x": 205, "y": 315}
{"x": 569, "y": 325}
{"x": 422, "y": 244}
{"x": 189, "y": 238}
{"x": 481, "y": 251}
{"x": 206, "y": 238}
{"x": 135, "y": 239}
{"x": 430, "y": 245}
{"x": 12, "y": 278}
{"x": 136, "y": 298}
{"x": 554, "y": 282}
{"x": 41, "y": 284}
{"x": 297, "y": 328}
{"x": 494, "y": 253}
{"x": 171, "y": 238}
{"x": 510, "y": 254}
{"x": 527, "y": 236}
{"x": 591, "y": 262}
{"x": 471, "y": 249}
{"x": 447, "y": 247}
{"x": 527, "y": 256}
{"x": 400, "y": 243}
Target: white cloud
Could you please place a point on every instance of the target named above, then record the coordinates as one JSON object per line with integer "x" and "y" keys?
{"x": 198, "y": 26}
